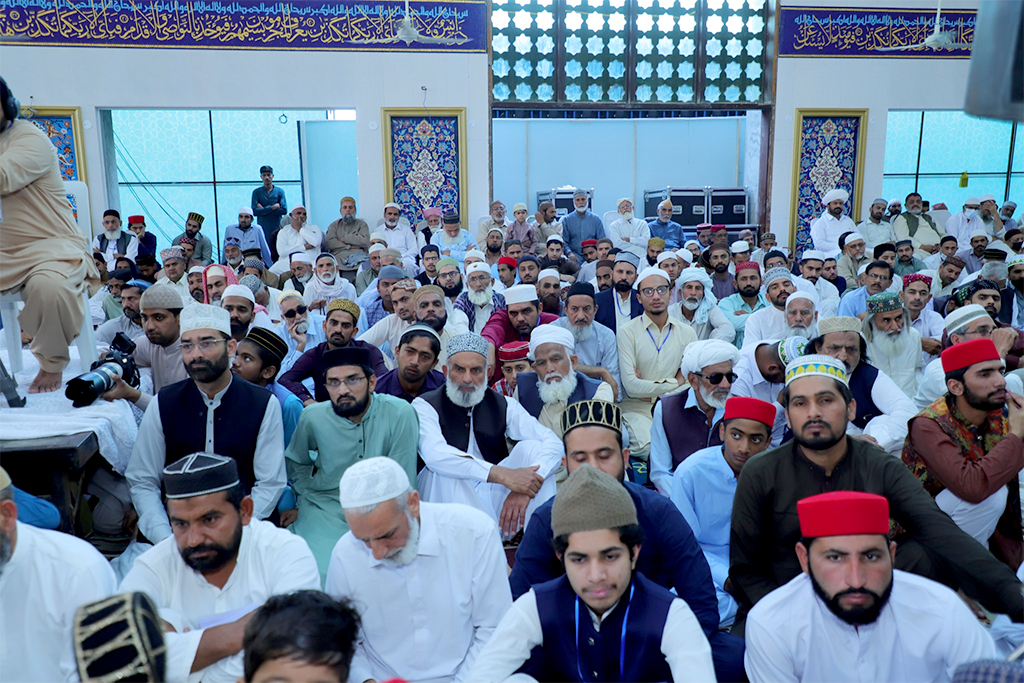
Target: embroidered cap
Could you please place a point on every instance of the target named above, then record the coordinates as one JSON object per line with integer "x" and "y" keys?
{"x": 883, "y": 302}
{"x": 467, "y": 342}
{"x": 172, "y": 252}
{"x": 592, "y": 413}
{"x": 792, "y": 348}
{"x": 514, "y": 351}
{"x": 816, "y": 364}
{"x": 205, "y": 317}
{"x": 590, "y": 499}
{"x": 839, "y": 323}
{"x": 911, "y": 278}
{"x": 347, "y": 305}
{"x": 199, "y": 474}
{"x": 197, "y": 217}
{"x": 372, "y": 481}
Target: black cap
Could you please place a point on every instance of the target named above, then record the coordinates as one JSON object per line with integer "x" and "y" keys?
{"x": 199, "y": 474}
{"x": 528, "y": 257}
{"x": 268, "y": 340}
{"x": 145, "y": 260}
{"x": 450, "y": 217}
{"x": 112, "y": 212}
{"x": 882, "y": 248}
{"x": 430, "y": 247}
{"x": 124, "y": 274}
{"x": 266, "y": 169}
{"x": 584, "y": 288}
{"x": 347, "y": 355}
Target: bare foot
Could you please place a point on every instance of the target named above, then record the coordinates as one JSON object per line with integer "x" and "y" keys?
{"x": 44, "y": 382}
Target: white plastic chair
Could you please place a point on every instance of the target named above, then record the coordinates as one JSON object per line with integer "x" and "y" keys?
{"x": 609, "y": 218}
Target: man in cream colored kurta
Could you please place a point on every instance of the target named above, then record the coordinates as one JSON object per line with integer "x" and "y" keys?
{"x": 42, "y": 251}
{"x": 650, "y": 352}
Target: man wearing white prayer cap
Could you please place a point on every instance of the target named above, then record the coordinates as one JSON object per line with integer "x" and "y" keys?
{"x": 894, "y": 208}
{"x": 247, "y": 236}
{"x": 802, "y": 314}
{"x": 826, "y": 228}
{"x": 1006, "y": 212}
{"x": 520, "y": 318}
{"x": 212, "y": 412}
{"x": 300, "y": 272}
{"x": 988, "y": 211}
{"x": 399, "y": 235}
{"x": 812, "y": 262}
{"x": 478, "y": 301}
{"x": 681, "y": 420}
{"x": 650, "y": 349}
{"x": 629, "y": 232}
{"x": 740, "y": 250}
{"x": 291, "y": 238}
{"x": 698, "y": 307}
{"x": 240, "y": 303}
{"x": 555, "y": 382}
{"x": 963, "y": 223}
{"x": 196, "y": 286}
{"x": 439, "y": 568}
{"x": 875, "y": 228}
{"x": 855, "y": 255}
{"x": 468, "y": 460}
{"x": 918, "y": 227}
{"x": 548, "y": 288}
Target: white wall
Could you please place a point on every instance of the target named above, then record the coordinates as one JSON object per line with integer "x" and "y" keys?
{"x": 877, "y": 85}
{"x": 114, "y": 78}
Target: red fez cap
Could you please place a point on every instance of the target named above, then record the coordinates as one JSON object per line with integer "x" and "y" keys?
{"x": 513, "y": 351}
{"x": 843, "y": 513}
{"x": 745, "y": 265}
{"x": 750, "y": 409}
{"x": 716, "y": 228}
{"x": 509, "y": 261}
{"x": 965, "y": 354}
{"x": 588, "y": 243}
{"x": 703, "y": 226}
{"x": 136, "y": 219}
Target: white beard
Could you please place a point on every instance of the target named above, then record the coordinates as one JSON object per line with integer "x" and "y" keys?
{"x": 890, "y": 346}
{"x": 691, "y": 305}
{"x": 805, "y": 332}
{"x": 461, "y": 398}
{"x": 235, "y": 261}
{"x": 582, "y": 333}
{"x": 390, "y": 224}
{"x": 555, "y": 392}
{"x": 407, "y": 553}
{"x": 112, "y": 235}
{"x": 481, "y": 298}
{"x": 334, "y": 276}
{"x": 302, "y": 327}
{"x": 714, "y": 401}
{"x": 304, "y": 278}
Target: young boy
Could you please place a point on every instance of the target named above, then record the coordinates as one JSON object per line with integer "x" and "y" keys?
{"x": 512, "y": 357}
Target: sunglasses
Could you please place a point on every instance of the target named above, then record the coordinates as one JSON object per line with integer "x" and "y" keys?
{"x": 298, "y": 310}
{"x": 717, "y": 377}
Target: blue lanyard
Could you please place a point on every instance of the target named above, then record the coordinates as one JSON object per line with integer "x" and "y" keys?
{"x": 663, "y": 341}
{"x": 622, "y": 638}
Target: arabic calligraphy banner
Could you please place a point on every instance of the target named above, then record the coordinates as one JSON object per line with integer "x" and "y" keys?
{"x": 443, "y": 25}
{"x": 860, "y": 32}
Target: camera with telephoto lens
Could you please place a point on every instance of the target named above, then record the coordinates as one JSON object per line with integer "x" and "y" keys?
{"x": 103, "y": 374}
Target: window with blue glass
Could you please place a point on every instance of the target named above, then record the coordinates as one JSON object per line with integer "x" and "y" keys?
{"x": 659, "y": 52}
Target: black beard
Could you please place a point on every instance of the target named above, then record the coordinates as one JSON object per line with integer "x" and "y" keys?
{"x": 722, "y": 268}
{"x": 452, "y": 291}
{"x": 197, "y": 295}
{"x": 435, "y": 322}
{"x": 979, "y": 402}
{"x": 651, "y": 261}
{"x": 857, "y": 616}
{"x": 493, "y": 249}
{"x": 550, "y": 303}
{"x": 356, "y": 408}
{"x": 205, "y": 370}
{"x": 749, "y": 291}
{"x": 622, "y": 286}
{"x": 820, "y": 443}
{"x": 221, "y": 556}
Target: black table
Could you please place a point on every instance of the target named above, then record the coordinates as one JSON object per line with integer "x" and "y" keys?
{"x": 46, "y": 467}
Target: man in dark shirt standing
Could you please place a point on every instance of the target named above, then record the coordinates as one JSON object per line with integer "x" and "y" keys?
{"x": 821, "y": 458}
{"x": 268, "y": 203}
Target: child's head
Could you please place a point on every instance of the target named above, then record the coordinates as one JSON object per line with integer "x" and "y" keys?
{"x": 301, "y": 636}
{"x": 512, "y": 357}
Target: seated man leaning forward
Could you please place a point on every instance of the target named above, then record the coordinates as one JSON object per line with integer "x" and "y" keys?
{"x": 439, "y": 571}
{"x": 220, "y": 565}
{"x": 464, "y": 427}
{"x": 632, "y": 629}
{"x": 849, "y": 616}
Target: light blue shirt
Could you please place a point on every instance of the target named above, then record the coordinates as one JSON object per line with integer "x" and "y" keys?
{"x": 576, "y": 228}
{"x": 601, "y": 350}
{"x": 734, "y": 302}
{"x": 661, "y": 452}
{"x": 291, "y": 408}
{"x": 314, "y": 335}
{"x": 854, "y": 303}
{"x": 703, "y": 488}
{"x": 457, "y": 249}
{"x": 253, "y": 238}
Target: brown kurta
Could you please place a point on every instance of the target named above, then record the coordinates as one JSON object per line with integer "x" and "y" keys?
{"x": 41, "y": 247}
{"x": 357, "y": 232}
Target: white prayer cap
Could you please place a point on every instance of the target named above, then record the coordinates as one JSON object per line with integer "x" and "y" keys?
{"x": 378, "y": 236}
{"x": 666, "y": 255}
{"x": 377, "y": 247}
{"x": 300, "y": 257}
{"x": 298, "y": 206}
{"x": 879, "y": 201}
{"x": 813, "y": 255}
{"x": 971, "y": 201}
{"x": 1015, "y": 260}
{"x": 206, "y": 317}
{"x": 960, "y": 318}
{"x": 687, "y": 243}
{"x": 288, "y": 294}
{"x": 980, "y": 232}
{"x": 986, "y": 198}
{"x": 700, "y": 354}
{"x": 372, "y": 481}
{"x": 312, "y": 235}
{"x": 695, "y": 275}
{"x": 853, "y": 237}
{"x": 555, "y": 238}
{"x": 551, "y": 334}
{"x": 477, "y": 267}
{"x": 1009, "y": 202}
{"x": 215, "y": 271}
{"x": 863, "y": 269}
{"x": 495, "y": 228}
{"x": 739, "y": 246}
{"x": 619, "y": 203}
{"x": 546, "y": 273}
{"x": 650, "y": 271}
{"x": 474, "y": 253}
{"x": 239, "y": 290}
{"x": 808, "y": 294}
{"x": 833, "y": 195}
{"x": 895, "y": 200}
{"x": 196, "y": 270}
{"x": 784, "y": 250}
{"x": 518, "y": 206}
{"x": 392, "y": 205}
{"x": 683, "y": 254}
{"x": 245, "y": 210}
{"x": 520, "y": 294}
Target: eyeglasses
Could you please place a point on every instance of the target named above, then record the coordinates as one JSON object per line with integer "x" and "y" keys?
{"x": 475, "y": 279}
{"x": 204, "y": 346}
{"x": 452, "y": 274}
{"x": 298, "y": 310}
{"x": 983, "y": 331}
{"x": 716, "y": 378}
{"x": 350, "y": 382}
{"x": 662, "y": 290}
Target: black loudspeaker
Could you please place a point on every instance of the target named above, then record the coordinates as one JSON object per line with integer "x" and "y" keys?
{"x": 995, "y": 88}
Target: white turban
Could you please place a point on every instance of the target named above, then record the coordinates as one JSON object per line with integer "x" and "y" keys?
{"x": 700, "y": 354}
{"x": 546, "y": 273}
{"x": 618, "y": 204}
{"x": 300, "y": 257}
{"x": 853, "y": 237}
{"x": 551, "y": 334}
{"x": 312, "y": 235}
{"x": 895, "y": 200}
{"x": 833, "y": 195}
{"x": 695, "y": 275}
{"x": 980, "y": 232}
{"x": 372, "y": 481}
{"x": 666, "y": 255}
{"x": 239, "y": 290}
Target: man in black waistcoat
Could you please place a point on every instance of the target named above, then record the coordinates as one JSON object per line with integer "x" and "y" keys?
{"x": 211, "y": 411}
{"x": 464, "y": 428}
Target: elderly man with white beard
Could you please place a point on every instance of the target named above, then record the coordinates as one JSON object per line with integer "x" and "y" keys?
{"x": 687, "y": 421}
{"x": 801, "y": 315}
{"x": 893, "y": 346}
{"x": 399, "y": 237}
{"x": 326, "y": 284}
{"x": 699, "y": 307}
{"x": 464, "y": 431}
{"x": 441, "y": 567}
{"x": 479, "y": 300}
{"x": 555, "y": 382}
{"x": 597, "y": 351}
{"x": 300, "y": 327}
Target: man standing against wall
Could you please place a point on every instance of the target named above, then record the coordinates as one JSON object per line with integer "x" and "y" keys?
{"x": 268, "y": 203}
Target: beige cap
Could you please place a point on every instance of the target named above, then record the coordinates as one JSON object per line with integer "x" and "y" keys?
{"x": 588, "y": 500}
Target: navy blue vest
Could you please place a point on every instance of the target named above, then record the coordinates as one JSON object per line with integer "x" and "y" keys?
{"x": 489, "y": 420}
{"x": 529, "y": 394}
{"x": 236, "y": 423}
{"x": 557, "y": 659}
{"x": 687, "y": 429}
{"x": 860, "y": 386}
